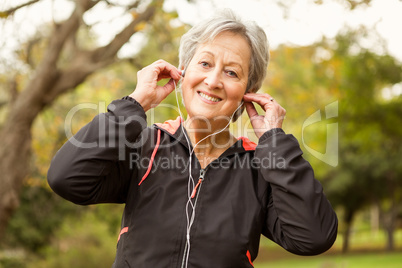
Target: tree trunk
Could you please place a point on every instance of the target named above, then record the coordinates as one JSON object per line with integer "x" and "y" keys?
{"x": 46, "y": 85}
{"x": 390, "y": 239}
{"x": 14, "y": 154}
{"x": 348, "y": 223}
{"x": 390, "y": 215}
{"x": 375, "y": 218}
{"x": 389, "y": 224}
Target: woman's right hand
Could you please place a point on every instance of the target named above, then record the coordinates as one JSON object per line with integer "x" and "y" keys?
{"x": 147, "y": 91}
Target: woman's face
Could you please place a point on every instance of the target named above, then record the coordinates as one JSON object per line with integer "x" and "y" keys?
{"x": 216, "y": 78}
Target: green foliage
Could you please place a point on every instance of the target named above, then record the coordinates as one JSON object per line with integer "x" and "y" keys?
{"x": 40, "y": 214}
{"x": 12, "y": 262}
{"x": 163, "y": 38}
{"x": 366, "y": 246}
{"x": 369, "y": 134}
{"x": 371, "y": 260}
{"x": 302, "y": 82}
{"x": 369, "y": 168}
{"x": 62, "y": 234}
{"x": 85, "y": 241}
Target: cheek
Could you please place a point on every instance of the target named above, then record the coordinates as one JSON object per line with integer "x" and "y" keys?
{"x": 186, "y": 94}
{"x": 183, "y": 85}
{"x": 188, "y": 83}
{"x": 237, "y": 94}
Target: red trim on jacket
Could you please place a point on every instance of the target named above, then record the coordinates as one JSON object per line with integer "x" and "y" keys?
{"x": 158, "y": 141}
{"x": 247, "y": 144}
{"x": 124, "y": 230}
{"x": 170, "y": 126}
{"x": 249, "y": 258}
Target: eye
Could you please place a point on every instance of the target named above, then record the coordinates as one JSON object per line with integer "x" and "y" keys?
{"x": 204, "y": 64}
{"x": 231, "y": 73}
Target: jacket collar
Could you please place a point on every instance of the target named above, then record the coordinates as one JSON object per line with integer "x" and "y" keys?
{"x": 172, "y": 127}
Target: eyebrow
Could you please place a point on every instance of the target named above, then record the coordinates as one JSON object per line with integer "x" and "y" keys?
{"x": 229, "y": 63}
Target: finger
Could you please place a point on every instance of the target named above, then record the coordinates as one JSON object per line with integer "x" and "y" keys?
{"x": 169, "y": 86}
{"x": 264, "y": 100}
{"x": 251, "y": 111}
{"x": 257, "y": 97}
{"x": 167, "y": 70}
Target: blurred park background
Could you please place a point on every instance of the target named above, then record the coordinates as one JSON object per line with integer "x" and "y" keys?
{"x": 63, "y": 61}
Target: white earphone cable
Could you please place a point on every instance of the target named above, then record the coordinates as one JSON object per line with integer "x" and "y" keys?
{"x": 191, "y": 183}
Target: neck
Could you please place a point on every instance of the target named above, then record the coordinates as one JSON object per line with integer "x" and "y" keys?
{"x": 209, "y": 137}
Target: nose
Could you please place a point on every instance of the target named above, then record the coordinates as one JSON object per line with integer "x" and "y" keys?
{"x": 213, "y": 79}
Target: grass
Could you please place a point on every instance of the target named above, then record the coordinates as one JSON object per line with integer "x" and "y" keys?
{"x": 361, "y": 260}
{"x": 366, "y": 251}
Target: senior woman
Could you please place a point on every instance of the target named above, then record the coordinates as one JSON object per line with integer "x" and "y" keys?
{"x": 195, "y": 195}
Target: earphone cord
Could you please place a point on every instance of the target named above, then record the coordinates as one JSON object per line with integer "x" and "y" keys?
{"x": 191, "y": 183}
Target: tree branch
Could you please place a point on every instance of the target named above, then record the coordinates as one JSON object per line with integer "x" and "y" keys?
{"x": 66, "y": 29}
{"x": 47, "y": 73}
{"x": 6, "y": 13}
{"x": 128, "y": 7}
{"x": 50, "y": 81}
{"x": 13, "y": 89}
{"x": 87, "y": 62}
{"x": 30, "y": 46}
{"x": 109, "y": 51}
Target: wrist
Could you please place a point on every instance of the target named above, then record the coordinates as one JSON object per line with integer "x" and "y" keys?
{"x": 142, "y": 101}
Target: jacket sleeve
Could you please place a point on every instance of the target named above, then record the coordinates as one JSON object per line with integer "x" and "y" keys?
{"x": 299, "y": 216}
{"x": 93, "y": 166}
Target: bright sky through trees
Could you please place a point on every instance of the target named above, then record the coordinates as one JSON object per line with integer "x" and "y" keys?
{"x": 300, "y": 23}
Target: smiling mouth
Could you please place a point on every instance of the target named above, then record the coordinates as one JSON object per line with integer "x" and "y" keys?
{"x": 205, "y": 96}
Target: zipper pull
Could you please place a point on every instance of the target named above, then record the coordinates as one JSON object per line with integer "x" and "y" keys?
{"x": 202, "y": 174}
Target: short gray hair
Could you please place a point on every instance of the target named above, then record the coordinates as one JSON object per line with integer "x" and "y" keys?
{"x": 227, "y": 20}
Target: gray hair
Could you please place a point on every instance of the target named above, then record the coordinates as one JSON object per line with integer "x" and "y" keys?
{"x": 227, "y": 20}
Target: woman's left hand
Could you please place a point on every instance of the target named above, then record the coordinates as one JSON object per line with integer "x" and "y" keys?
{"x": 274, "y": 113}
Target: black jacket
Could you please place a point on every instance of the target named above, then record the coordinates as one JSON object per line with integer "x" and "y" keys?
{"x": 249, "y": 190}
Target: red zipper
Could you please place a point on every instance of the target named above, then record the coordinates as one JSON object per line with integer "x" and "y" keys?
{"x": 202, "y": 174}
